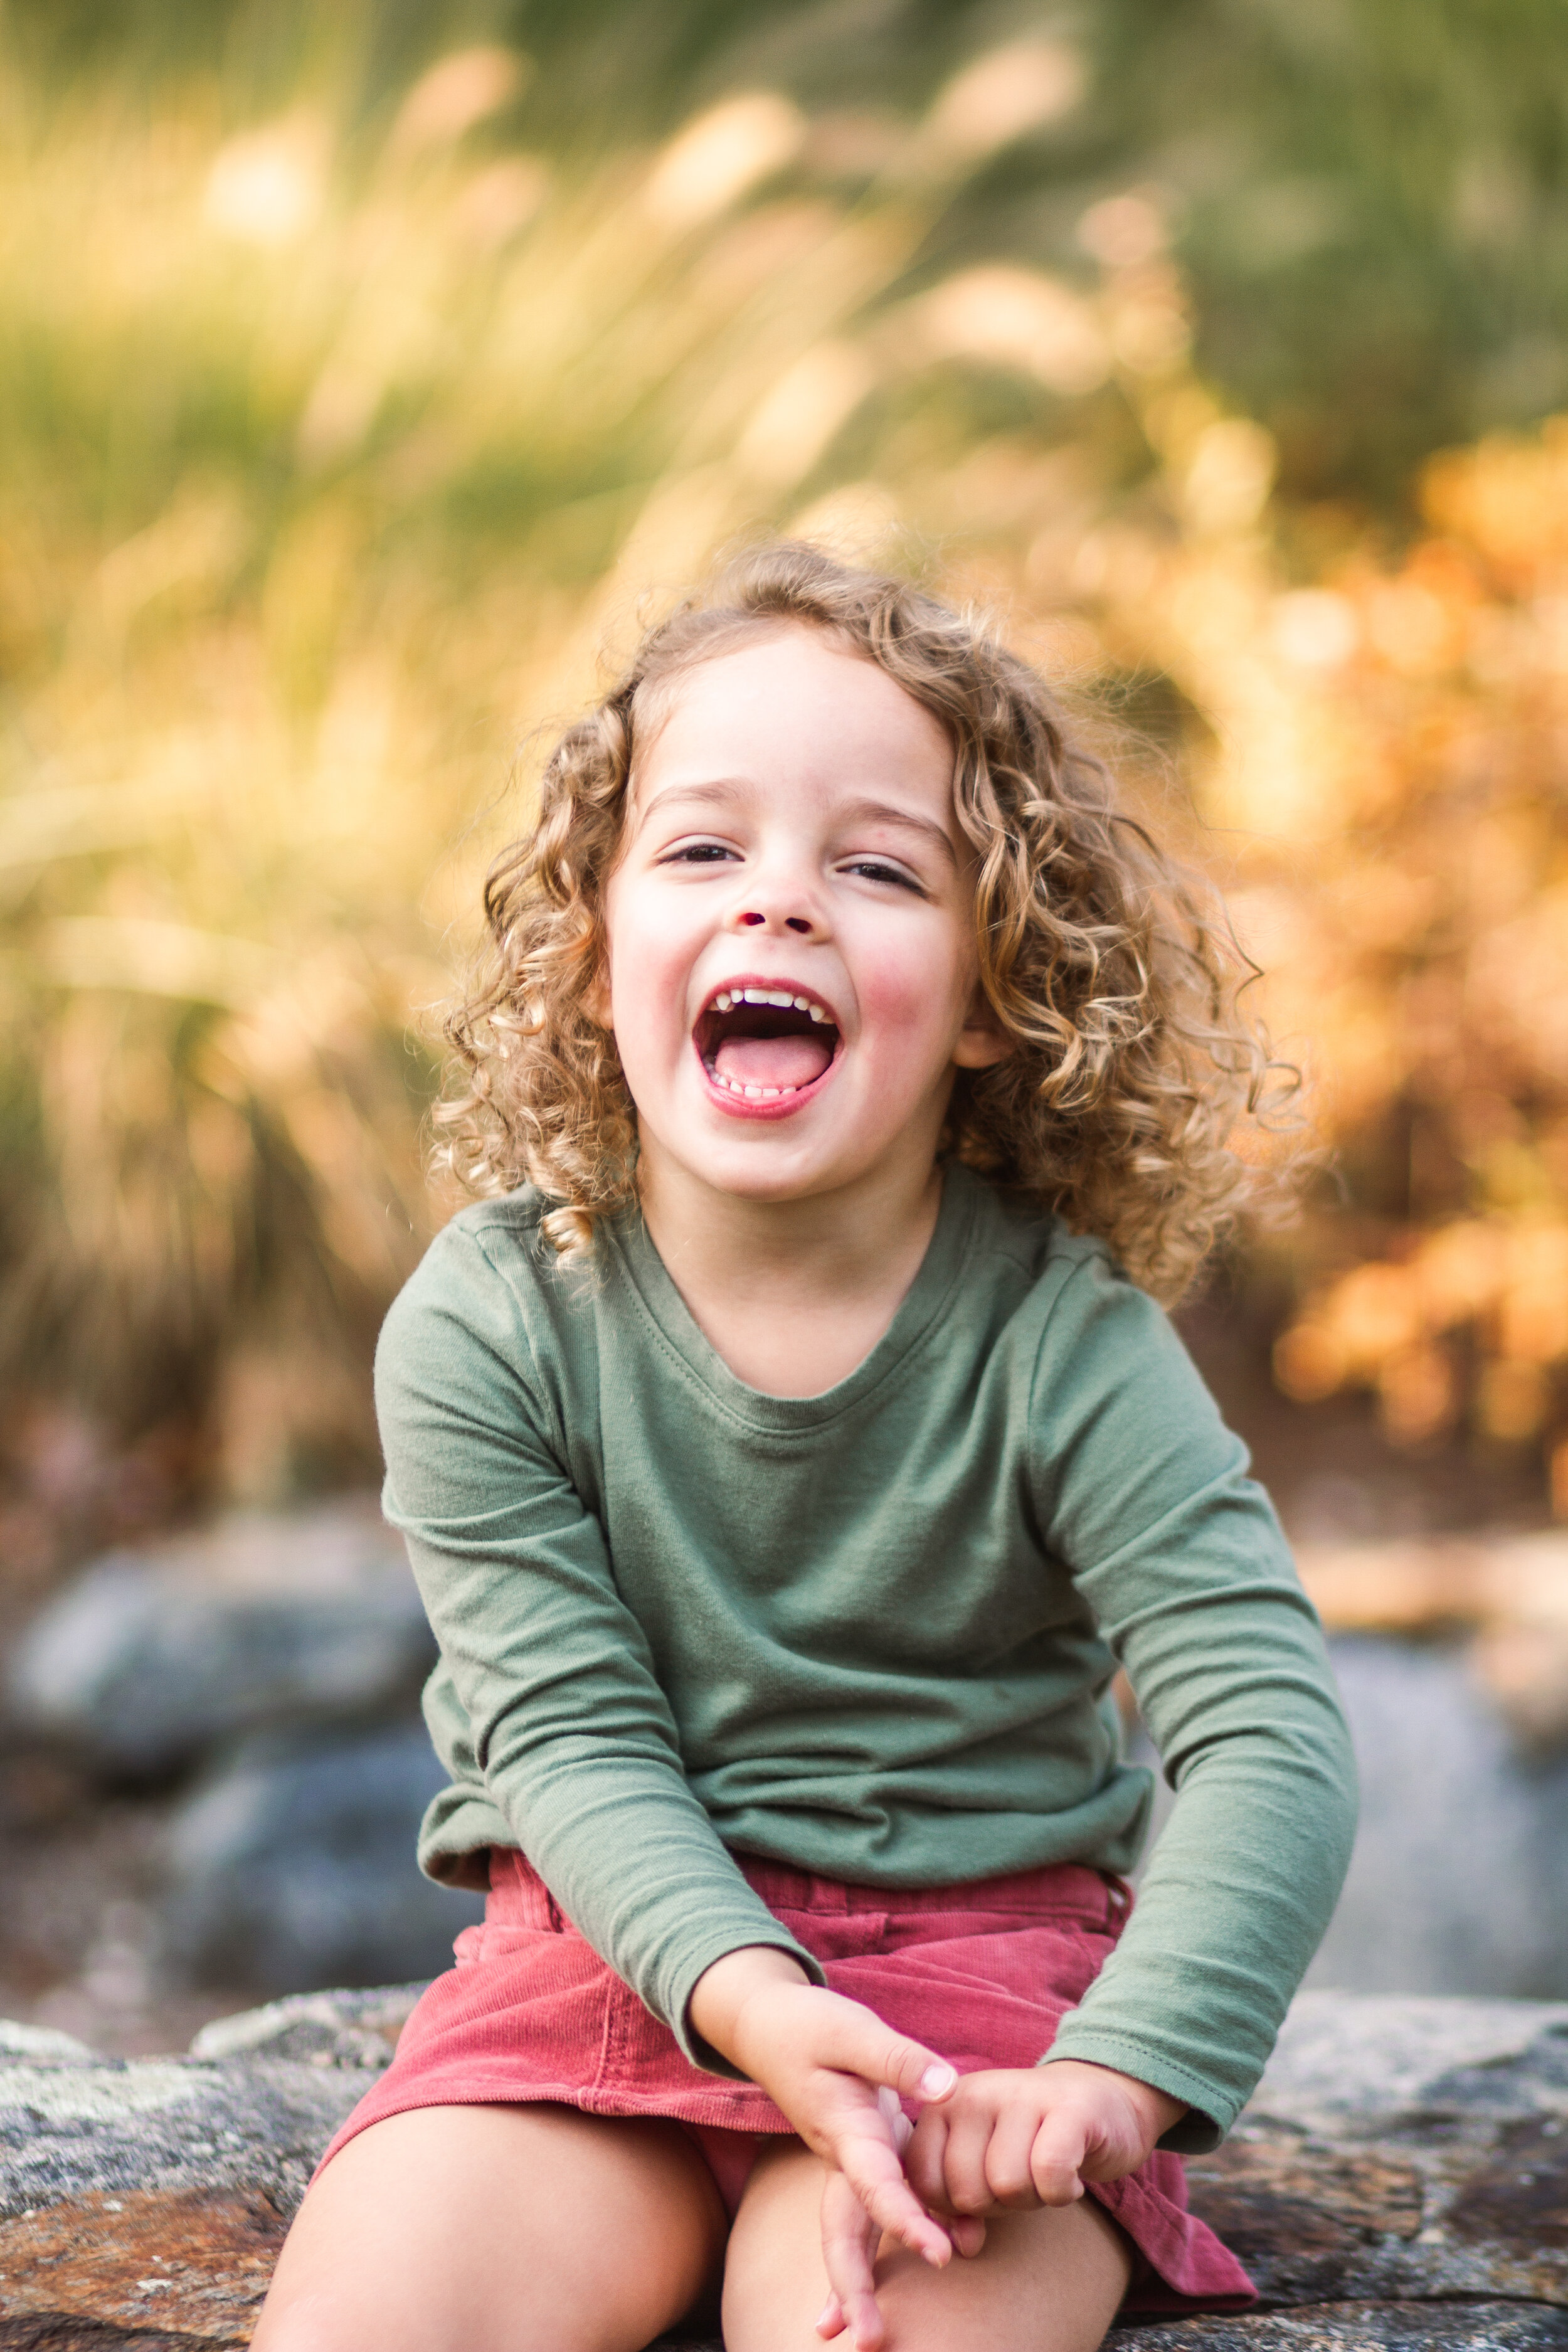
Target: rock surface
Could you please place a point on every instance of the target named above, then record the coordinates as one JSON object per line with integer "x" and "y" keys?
{"x": 1402, "y": 2151}
{"x": 142, "y": 2202}
{"x": 1400, "y": 2180}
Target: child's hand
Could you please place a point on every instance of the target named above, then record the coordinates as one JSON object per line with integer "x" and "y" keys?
{"x": 824, "y": 2060}
{"x": 849, "y": 2242}
{"x": 1017, "y": 2137}
{"x": 1009, "y": 2140}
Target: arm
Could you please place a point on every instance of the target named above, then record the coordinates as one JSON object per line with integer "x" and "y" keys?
{"x": 580, "y": 1750}
{"x": 575, "y": 1736}
{"x": 1144, "y": 1493}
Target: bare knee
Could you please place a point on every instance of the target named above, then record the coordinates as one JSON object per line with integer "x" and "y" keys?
{"x": 295, "y": 2326}
{"x": 1045, "y": 2281}
{"x": 494, "y": 2229}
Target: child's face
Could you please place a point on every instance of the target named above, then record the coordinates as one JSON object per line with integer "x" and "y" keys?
{"x": 791, "y": 832}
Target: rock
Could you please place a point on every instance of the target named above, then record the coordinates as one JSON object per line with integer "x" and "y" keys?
{"x": 1400, "y": 2180}
{"x": 150, "y": 1657}
{"x": 1458, "y": 1883}
{"x": 1344, "y": 2063}
{"x": 280, "y": 1659}
{"x": 293, "y": 1866}
{"x": 191, "y": 2267}
{"x": 1357, "y": 2328}
{"x": 71, "y": 2129}
{"x": 1402, "y": 2152}
{"x": 1459, "y": 1879}
{"x": 324, "y": 2029}
{"x": 18, "y": 2040}
{"x": 143, "y": 2203}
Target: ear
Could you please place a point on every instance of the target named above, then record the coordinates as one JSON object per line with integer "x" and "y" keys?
{"x": 982, "y": 1043}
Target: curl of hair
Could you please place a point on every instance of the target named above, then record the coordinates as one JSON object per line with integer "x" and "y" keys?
{"x": 1134, "y": 1068}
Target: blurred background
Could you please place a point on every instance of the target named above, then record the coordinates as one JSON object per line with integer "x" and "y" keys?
{"x": 362, "y": 366}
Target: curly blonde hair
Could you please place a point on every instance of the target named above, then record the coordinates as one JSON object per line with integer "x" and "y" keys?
{"x": 1113, "y": 974}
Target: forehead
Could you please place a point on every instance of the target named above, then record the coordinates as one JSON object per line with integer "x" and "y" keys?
{"x": 793, "y": 707}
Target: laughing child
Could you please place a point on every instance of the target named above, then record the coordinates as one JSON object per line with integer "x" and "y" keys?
{"x": 790, "y": 1447}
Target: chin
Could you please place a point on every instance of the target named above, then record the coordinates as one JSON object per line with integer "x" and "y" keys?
{"x": 747, "y": 1176}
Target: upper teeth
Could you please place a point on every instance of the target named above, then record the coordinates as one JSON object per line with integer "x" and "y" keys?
{"x": 781, "y": 996}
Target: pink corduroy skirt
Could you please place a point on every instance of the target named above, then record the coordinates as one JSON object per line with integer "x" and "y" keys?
{"x": 983, "y": 1974}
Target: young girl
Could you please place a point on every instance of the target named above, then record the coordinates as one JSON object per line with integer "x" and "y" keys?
{"x": 788, "y": 1453}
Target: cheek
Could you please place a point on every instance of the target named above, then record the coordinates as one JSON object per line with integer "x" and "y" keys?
{"x": 649, "y": 964}
{"x": 916, "y": 999}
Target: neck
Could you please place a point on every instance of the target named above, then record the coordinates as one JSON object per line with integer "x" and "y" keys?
{"x": 793, "y": 1294}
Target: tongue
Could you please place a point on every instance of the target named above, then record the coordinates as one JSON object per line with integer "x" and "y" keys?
{"x": 771, "y": 1061}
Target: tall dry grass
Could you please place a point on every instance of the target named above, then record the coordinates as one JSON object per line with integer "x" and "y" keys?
{"x": 324, "y": 475}
{"x": 324, "y": 470}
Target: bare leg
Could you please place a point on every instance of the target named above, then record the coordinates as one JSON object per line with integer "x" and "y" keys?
{"x": 497, "y": 2229}
{"x": 1045, "y": 2281}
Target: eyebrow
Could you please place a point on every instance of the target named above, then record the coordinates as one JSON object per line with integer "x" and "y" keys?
{"x": 726, "y": 789}
{"x": 863, "y": 812}
{"x": 884, "y": 812}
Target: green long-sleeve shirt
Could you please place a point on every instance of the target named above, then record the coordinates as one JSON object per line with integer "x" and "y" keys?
{"x": 867, "y": 1634}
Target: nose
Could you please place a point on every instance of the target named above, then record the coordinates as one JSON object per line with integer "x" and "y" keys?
{"x": 752, "y": 919}
{"x": 779, "y": 898}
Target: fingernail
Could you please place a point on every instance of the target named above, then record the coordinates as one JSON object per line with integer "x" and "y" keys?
{"x": 826, "y": 2314}
{"x": 937, "y": 2081}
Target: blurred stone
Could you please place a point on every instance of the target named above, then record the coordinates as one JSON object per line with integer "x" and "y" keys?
{"x": 150, "y": 1657}
{"x": 293, "y": 1866}
{"x": 1458, "y": 1883}
{"x": 20, "y": 2041}
{"x": 323, "y": 2029}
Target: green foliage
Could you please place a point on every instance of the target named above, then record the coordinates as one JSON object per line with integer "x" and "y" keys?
{"x": 1370, "y": 196}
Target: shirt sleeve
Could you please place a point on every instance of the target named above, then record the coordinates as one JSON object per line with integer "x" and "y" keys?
{"x": 1145, "y": 1495}
{"x": 576, "y": 1741}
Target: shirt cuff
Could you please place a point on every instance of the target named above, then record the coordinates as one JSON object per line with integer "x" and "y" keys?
{"x": 1209, "y": 2113}
{"x": 699, "y": 2052}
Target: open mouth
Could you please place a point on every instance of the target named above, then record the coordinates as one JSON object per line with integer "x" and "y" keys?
{"x": 764, "y": 1040}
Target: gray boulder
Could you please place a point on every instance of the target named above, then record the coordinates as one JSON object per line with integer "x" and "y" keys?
{"x": 350, "y": 2028}
{"x": 150, "y": 1657}
{"x": 1458, "y": 1883}
{"x": 293, "y": 1866}
{"x": 1459, "y": 1878}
